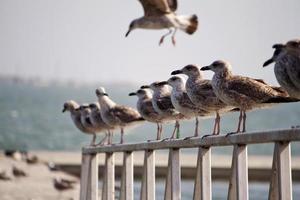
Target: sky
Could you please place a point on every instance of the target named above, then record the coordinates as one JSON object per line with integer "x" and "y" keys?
{"x": 85, "y": 40}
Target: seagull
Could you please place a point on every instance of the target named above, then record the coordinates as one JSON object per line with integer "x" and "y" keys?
{"x": 116, "y": 115}
{"x": 73, "y": 108}
{"x": 63, "y": 184}
{"x": 182, "y": 102}
{"x": 162, "y": 104}
{"x": 243, "y": 92}
{"x": 160, "y": 14}
{"x": 17, "y": 172}
{"x": 146, "y": 109}
{"x": 281, "y": 70}
{"x": 98, "y": 123}
{"x": 201, "y": 93}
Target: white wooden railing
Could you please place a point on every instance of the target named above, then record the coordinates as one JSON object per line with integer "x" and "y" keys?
{"x": 280, "y": 180}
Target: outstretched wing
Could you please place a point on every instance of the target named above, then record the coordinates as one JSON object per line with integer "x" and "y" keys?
{"x": 158, "y": 7}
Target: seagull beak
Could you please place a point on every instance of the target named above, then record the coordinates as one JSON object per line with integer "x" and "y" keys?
{"x": 132, "y": 94}
{"x": 64, "y": 109}
{"x": 205, "y": 68}
{"x": 176, "y": 72}
{"x": 127, "y": 32}
{"x": 271, "y": 60}
{"x": 278, "y": 46}
{"x": 145, "y": 87}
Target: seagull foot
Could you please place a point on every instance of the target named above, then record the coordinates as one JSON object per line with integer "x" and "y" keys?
{"x": 232, "y": 133}
{"x": 173, "y": 41}
{"x": 190, "y": 137}
{"x": 208, "y": 135}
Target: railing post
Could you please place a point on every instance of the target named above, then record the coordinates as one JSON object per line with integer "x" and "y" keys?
{"x": 173, "y": 181}
{"x": 202, "y": 187}
{"x": 84, "y": 176}
{"x": 127, "y": 177}
{"x": 148, "y": 180}
{"x": 94, "y": 177}
{"x": 238, "y": 186}
{"x": 281, "y": 179}
{"x": 109, "y": 178}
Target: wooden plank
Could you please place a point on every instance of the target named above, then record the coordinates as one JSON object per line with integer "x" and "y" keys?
{"x": 104, "y": 184}
{"x": 175, "y": 174}
{"x": 84, "y": 175}
{"x": 220, "y": 140}
{"x": 148, "y": 180}
{"x": 94, "y": 177}
{"x": 273, "y": 190}
{"x": 110, "y": 176}
{"x": 127, "y": 177}
{"x": 284, "y": 171}
{"x": 202, "y": 187}
{"x": 168, "y": 184}
{"x": 238, "y": 185}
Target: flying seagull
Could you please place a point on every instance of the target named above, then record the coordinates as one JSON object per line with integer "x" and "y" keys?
{"x": 117, "y": 115}
{"x": 160, "y": 14}
{"x": 243, "y": 92}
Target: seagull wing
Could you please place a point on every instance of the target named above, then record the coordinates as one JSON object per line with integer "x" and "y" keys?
{"x": 125, "y": 114}
{"x": 256, "y": 90}
{"x": 164, "y": 103}
{"x": 158, "y": 7}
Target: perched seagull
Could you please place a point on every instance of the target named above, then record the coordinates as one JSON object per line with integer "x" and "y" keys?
{"x": 160, "y": 14}
{"x": 281, "y": 57}
{"x": 63, "y": 184}
{"x": 17, "y": 172}
{"x": 201, "y": 93}
{"x": 162, "y": 104}
{"x": 85, "y": 113}
{"x": 74, "y": 110}
{"x": 182, "y": 102}
{"x": 116, "y": 115}
{"x": 98, "y": 123}
{"x": 243, "y": 92}
{"x": 146, "y": 109}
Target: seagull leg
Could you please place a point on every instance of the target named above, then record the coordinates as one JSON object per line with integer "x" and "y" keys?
{"x": 239, "y": 124}
{"x": 102, "y": 142}
{"x": 173, "y": 37}
{"x": 218, "y": 120}
{"x": 163, "y": 37}
{"x": 174, "y": 132}
{"x": 216, "y": 130}
{"x": 158, "y": 130}
{"x": 93, "y": 140}
{"x": 244, "y": 121}
{"x": 196, "y": 134}
{"x": 122, "y": 136}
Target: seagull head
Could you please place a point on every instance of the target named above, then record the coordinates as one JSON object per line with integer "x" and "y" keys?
{"x": 277, "y": 55}
{"x": 158, "y": 85}
{"x": 176, "y": 81}
{"x": 70, "y": 106}
{"x": 189, "y": 70}
{"x": 141, "y": 93}
{"x": 94, "y": 106}
{"x": 133, "y": 25}
{"x": 218, "y": 66}
{"x": 293, "y": 45}
{"x": 101, "y": 92}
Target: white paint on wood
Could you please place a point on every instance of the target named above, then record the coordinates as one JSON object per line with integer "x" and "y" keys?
{"x": 104, "y": 184}
{"x": 148, "y": 181}
{"x": 110, "y": 176}
{"x": 202, "y": 187}
{"x": 281, "y": 182}
{"x": 84, "y": 176}
{"x": 168, "y": 184}
{"x": 94, "y": 177}
{"x": 175, "y": 175}
{"x": 127, "y": 177}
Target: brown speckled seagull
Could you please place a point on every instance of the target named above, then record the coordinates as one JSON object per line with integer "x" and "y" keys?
{"x": 160, "y": 14}
{"x": 117, "y": 115}
{"x": 243, "y": 92}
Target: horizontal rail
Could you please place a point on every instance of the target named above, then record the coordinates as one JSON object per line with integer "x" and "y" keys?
{"x": 220, "y": 140}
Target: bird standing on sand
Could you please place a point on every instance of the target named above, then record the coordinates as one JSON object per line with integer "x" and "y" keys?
{"x": 116, "y": 115}
{"x": 201, "y": 93}
{"x": 73, "y": 108}
{"x": 63, "y": 184}
{"x": 243, "y": 92}
{"x": 146, "y": 109}
{"x": 183, "y": 104}
{"x": 160, "y": 14}
{"x": 17, "y": 172}
{"x": 162, "y": 104}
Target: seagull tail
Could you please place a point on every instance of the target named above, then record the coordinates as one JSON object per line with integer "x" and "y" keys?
{"x": 189, "y": 24}
{"x": 281, "y": 99}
